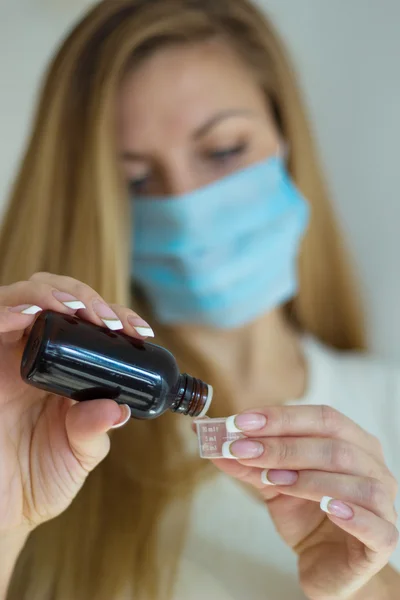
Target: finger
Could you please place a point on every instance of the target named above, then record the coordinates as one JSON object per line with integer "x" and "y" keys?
{"x": 87, "y": 424}
{"x": 367, "y": 492}
{"x": 24, "y": 300}
{"x": 315, "y": 421}
{"x": 132, "y": 322}
{"x": 16, "y": 321}
{"x": 378, "y": 535}
{"x": 295, "y": 454}
{"x": 97, "y": 310}
{"x": 29, "y": 295}
{"x": 249, "y": 475}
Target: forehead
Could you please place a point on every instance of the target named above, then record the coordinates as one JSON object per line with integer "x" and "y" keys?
{"x": 180, "y": 86}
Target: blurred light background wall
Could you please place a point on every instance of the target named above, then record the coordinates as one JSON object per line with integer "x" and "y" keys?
{"x": 347, "y": 56}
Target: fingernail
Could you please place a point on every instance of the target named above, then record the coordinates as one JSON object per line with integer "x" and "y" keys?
{"x": 68, "y": 300}
{"x": 125, "y": 416}
{"x": 276, "y": 477}
{"x": 242, "y": 449}
{"x": 246, "y": 422}
{"x": 140, "y": 326}
{"x": 26, "y": 309}
{"x": 336, "y": 508}
{"x": 107, "y": 315}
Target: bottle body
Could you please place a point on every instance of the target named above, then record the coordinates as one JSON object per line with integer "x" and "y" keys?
{"x": 71, "y": 357}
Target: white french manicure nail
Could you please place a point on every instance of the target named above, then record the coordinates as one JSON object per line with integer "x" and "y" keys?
{"x": 226, "y": 450}
{"x": 230, "y": 425}
{"x": 107, "y": 315}
{"x": 126, "y": 419}
{"x": 74, "y": 304}
{"x": 145, "y": 331}
{"x": 32, "y": 310}
{"x": 324, "y": 503}
{"x": 264, "y": 478}
{"x": 113, "y": 324}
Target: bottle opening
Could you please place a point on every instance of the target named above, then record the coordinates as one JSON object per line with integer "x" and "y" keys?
{"x": 208, "y": 402}
{"x": 193, "y": 397}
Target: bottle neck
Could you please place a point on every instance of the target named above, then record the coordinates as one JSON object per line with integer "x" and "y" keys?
{"x": 192, "y": 397}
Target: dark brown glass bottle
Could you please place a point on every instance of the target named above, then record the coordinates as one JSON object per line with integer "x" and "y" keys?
{"x": 70, "y": 357}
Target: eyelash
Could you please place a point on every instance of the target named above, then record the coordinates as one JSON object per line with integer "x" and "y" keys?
{"x": 136, "y": 185}
{"x": 226, "y": 154}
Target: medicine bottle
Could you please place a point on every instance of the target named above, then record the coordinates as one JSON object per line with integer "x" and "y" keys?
{"x": 70, "y": 357}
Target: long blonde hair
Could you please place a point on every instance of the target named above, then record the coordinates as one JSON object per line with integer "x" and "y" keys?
{"x": 67, "y": 213}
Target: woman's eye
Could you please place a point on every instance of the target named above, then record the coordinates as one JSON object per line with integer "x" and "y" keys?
{"x": 138, "y": 186}
{"x": 224, "y": 154}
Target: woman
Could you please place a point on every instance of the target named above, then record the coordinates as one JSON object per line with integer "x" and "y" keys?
{"x": 194, "y": 102}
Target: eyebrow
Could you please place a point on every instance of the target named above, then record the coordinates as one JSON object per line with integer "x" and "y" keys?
{"x": 226, "y": 114}
{"x": 128, "y": 155}
{"x": 203, "y": 129}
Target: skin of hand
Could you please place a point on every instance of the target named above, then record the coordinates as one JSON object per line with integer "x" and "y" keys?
{"x": 48, "y": 444}
{"x": 306, "y": 458}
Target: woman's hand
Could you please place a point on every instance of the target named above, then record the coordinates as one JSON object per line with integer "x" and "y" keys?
{"x": 48, "y": 444}
{"x": 305, "y": 458}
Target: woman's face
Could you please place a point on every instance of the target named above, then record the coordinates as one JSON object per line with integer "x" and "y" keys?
{"x": 188, "y": 116}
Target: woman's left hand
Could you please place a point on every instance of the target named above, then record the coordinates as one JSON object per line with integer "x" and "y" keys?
{"x": 315, "y": 458}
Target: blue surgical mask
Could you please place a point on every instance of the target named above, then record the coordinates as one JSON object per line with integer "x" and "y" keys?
{"x": 224, "y": 254}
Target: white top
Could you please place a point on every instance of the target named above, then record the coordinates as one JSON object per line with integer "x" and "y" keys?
{"x": 232, "y": 550}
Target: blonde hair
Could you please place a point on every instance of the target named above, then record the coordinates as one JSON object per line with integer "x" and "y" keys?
{"x": 67, "y": 213}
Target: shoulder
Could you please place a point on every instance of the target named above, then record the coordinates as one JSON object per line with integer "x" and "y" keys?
{"x": 363, "y": 387}
{"x": 360, "y": 376}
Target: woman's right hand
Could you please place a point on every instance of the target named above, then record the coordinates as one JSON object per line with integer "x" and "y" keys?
{"x": 49, "y": 444}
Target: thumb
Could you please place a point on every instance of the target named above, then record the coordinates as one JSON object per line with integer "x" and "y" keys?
{"x": 87, "y": 424}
